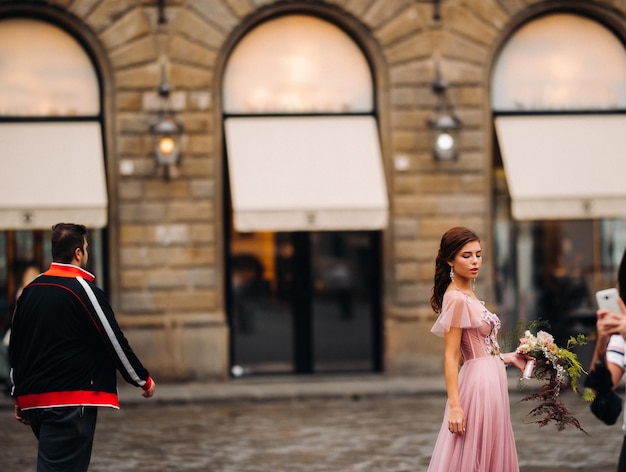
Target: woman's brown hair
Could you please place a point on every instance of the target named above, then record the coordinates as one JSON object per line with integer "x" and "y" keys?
{"x": 452, "y": 242}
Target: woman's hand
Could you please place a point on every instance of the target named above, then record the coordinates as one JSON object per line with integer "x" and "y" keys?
{"x": 516, "y": 359}
{"x": 456, "y": 420}
{"x": 609, "y": 322}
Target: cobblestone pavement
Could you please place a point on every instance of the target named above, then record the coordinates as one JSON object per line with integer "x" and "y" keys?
{"x": 383, "y": 434}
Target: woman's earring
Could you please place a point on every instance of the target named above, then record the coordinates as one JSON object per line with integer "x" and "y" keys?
{"x": 473, "y": 285}
{"x": 452, "y": 273}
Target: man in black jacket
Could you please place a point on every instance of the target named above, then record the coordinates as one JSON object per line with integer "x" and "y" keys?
{"x": 64, "y": 351}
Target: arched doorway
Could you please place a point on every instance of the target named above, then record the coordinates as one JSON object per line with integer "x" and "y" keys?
{"x": 306, "y": 201}
{"x": 559, "y": 106}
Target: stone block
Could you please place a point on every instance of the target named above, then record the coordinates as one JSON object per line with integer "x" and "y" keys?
{"x": 103, "y": 14}
{"x": 411, "y": 348}
{"x": 198, "y": 167}
{"x": 513, "y": 7}
{"x": 383, "y": 11}
{"x": 460, "y": 72}
{"x": 409, "y": 22}
{"x": 471, "y": 96}
{"x": 174, "y": 189}
{"x": 133, "y": 279}
{"x": 128, "y": 101}
{"x": 146, "y": 212}
{"x": 165, "y": 278}
{"x": 129, "y": 190}
{"x": 194, "y": 210}
{"x": 240, "y": 7}
{"x": 417, "y": 249}
{"x": 414, "y": 47}
{"x": 200, "y": 143}
{"x": 405, "y": 96}
{"x": 199, "y": 100}
{"x": 409, "y": 118}
{"x": 170, "y": 234}
{"x": 130, "y": 145}
{"x": 132, "y": 25}
{"x": 131, "y": 234}
{"x": 406, "y": 271}
{"x": 138, "y": 302}
{"x": 146, "y": 76}
{"x": 218, "y": 14}
{"x": 460, "y": 47}
{"x": 411, "y": 73}
{"x": 184, "y": 50}
{"x": 489, "y": 11}
{"x": 405, "y": 228}
{"x": 435, "y": 227}
{"x": 203, "y": 349}
{"x": 173, "y": 301}
{"x": 136, "y": 52}
{"x": 463, "y": 21}
{"x": 202, "y": 233}
{"x": 197, "y": 29}
{"x": 202, "y": 188}
{"x": 188, "y": 256}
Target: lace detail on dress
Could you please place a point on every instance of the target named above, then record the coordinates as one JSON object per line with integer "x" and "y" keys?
{"x": 491, "y": 340}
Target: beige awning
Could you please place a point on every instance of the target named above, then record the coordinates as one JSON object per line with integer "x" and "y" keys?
{"x": 51, "y": 172}
{"x": 306, "y": 173}
{"x": 564, "y": 166}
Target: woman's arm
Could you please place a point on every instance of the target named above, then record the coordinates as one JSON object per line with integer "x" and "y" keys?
{"x": 607, "y": 324}
{"x": 451, "y": 362}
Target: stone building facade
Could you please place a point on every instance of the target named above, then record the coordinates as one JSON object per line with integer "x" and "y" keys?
{"x": 165, "y": 261}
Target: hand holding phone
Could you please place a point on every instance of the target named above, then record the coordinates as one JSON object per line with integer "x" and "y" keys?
{"x": 608, "y": 300}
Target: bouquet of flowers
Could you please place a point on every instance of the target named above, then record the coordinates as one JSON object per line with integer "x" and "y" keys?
{"x": 556, "y": 367}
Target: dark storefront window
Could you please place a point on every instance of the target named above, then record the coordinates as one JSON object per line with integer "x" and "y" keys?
{"x": 306, "y": 196}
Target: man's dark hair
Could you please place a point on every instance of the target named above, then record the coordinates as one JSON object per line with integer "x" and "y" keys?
{"x": 66, "y": 237}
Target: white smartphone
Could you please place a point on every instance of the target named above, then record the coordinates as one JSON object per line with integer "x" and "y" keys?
{"x": 608, "y": 299}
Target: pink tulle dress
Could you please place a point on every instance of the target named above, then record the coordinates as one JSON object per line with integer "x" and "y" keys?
{"x": 488, "y": 444}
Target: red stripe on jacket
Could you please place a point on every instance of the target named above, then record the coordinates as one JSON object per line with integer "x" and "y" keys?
{"x": 73, "y": 398}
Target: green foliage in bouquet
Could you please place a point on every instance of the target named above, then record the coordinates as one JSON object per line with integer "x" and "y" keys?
{"x": 556, "y": 367}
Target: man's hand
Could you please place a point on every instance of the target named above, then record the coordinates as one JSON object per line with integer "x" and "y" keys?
{"x": 19, "y": 415}
{"x": 148, "y": 392}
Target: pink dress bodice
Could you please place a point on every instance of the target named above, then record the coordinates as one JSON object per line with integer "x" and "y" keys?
{"x": 480, "y": 326}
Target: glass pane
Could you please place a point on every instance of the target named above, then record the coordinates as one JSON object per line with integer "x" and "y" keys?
{"x": 44, "y": 72}
{"x": 261, "y": 276}
{"x": 297, "y": 64}
{"x": 560, "y": 62}
{"x": 342, "y": 300}
{"x": 552, "y": 269}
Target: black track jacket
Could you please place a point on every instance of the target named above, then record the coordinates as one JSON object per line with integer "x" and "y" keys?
{"x": 66, "y": 344}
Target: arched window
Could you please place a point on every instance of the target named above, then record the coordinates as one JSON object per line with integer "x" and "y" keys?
{"x": 44, "y": 72}
{"x": 560, "y": 62}
{"x": 295, "y": 167}
{"x": 559, "y": 104}
{"x": 52, "y": 159}
{"x": 559, "y": 97}
{"x": 297, "y": 64}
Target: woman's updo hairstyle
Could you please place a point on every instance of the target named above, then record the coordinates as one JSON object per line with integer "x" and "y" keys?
{"x": 452, "y": 242}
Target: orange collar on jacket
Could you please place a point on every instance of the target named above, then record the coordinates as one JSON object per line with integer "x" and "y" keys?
{"x": 58, "y": 269}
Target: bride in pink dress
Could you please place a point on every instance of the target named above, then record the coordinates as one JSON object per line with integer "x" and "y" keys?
{"x": 476, "y": 434}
